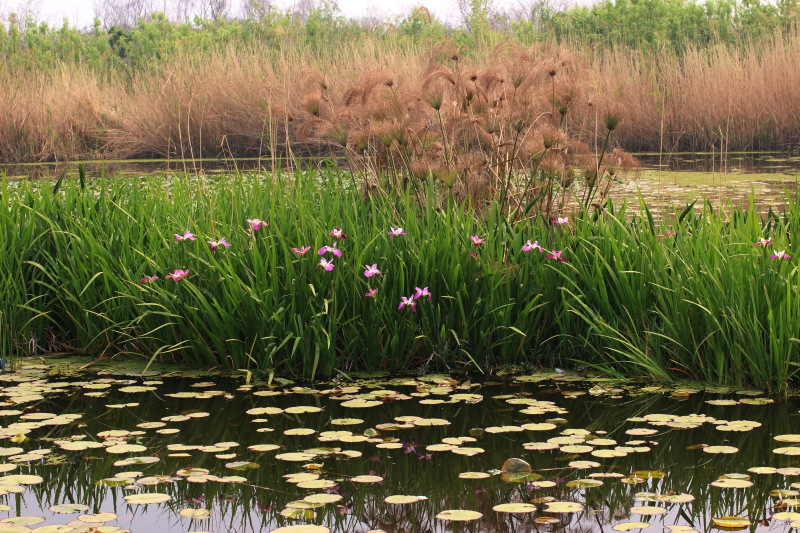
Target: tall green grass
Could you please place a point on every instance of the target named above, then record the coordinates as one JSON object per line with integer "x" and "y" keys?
{"x": 704, "y": 303}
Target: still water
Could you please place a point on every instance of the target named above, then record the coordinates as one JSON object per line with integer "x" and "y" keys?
{"x": 395, "y": 454}
{"x": 666, "y": 181}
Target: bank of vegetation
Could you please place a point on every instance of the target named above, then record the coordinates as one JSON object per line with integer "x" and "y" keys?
{"x": 718, "y": 76}
{"x": 696, "y": 296}
{"x": 469, "y": 172}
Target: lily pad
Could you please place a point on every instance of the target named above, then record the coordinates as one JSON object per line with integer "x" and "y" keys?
{"x": 628, "y": 526}
{"x": 731, "y": 522}
{"x": 195, "y": 514}
{"x": 301, "y": 528}
{"x": 147, "y": 498}
{"x": 459, "y": 515}
{"x": 563, "y": 507}
{"x": 69, "y": 508}
{"x": 404, "y": 500}
{"x": 514, "y": 508}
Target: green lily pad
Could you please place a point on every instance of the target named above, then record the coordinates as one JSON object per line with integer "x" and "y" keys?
{"x": 459, "y": 515}
{"x": 147, "y": 498}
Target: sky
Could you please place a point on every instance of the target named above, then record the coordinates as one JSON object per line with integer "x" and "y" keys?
{"x": 81, "y": 12}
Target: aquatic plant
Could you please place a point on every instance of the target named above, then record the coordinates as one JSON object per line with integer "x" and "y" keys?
{"x": 256, "y": 224}
{"x": 607, "y": 294}
{"x": 421, "y": 293}
{"x": 186, "y": 236}
{"x": 372, "y": 270}
{"x": 214, "y": 245}
{"x": 177, "y": 275}
{"x": 330, "y": 250}
{"x": 407, "y": 301}
{"x": 532, "y": 449}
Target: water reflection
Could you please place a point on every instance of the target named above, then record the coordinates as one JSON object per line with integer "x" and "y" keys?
{"x": 737, "y": 162}
{"x": 667, "y": 182}
{"x": 202, "y": 435}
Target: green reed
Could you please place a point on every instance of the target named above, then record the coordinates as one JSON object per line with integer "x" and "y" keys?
{"x": 704, "y": 303}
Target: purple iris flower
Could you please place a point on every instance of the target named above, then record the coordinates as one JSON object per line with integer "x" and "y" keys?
{"x": 408, "y": 301}
{"x": 256, "y": 223}
{"x": 332, "y": 249}
{"x": 556, "y": 254}
{"x": 178, "y": 274}
{"x": 371, "y": 270}
{"x": 422, "y": 292}
{"x": 187, "y": 236}
{"x": 216, "y": 244}
{"x": 327, "y": 265}
{"x": 529, "y": 247}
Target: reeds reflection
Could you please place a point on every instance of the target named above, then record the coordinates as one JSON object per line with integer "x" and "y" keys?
{"x": 644, "y": 443}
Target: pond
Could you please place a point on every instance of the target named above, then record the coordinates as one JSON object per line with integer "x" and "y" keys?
{"x": 667, "y": 182}
{"x": 110, "y": 452}
{"x": 673, "y": 180}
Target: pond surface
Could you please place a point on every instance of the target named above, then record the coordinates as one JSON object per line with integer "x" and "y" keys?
{"x": 668, "y": 182}
{"x": 391, "y": 454}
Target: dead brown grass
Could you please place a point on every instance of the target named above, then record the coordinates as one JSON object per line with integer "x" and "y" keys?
{"x": 720, "y": 99}
{"x": 432, "y": 110}
{"x": 51, "y": 116}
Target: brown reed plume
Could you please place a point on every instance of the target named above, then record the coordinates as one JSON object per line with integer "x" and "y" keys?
{"x": 494, "y": 127}
{"x": 495, "y": 131}
{"x": 246, "y": 101}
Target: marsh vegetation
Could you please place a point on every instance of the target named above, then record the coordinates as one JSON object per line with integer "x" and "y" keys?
{"x": 388, "y": 454}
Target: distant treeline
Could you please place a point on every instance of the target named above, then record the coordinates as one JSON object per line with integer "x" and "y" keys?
{"x": 153, "y": 37}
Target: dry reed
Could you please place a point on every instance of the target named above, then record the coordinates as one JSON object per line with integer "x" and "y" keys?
{"x": 254, "y": 102}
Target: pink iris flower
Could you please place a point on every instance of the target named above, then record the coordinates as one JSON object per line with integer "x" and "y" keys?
{"x": 337, "y": 233}
{"x": 216, "y": 244}
{"x": 327, "y": 265}
{"x": 422, "y": 292}
{"x": 529, "y": 247}
{"x": 476, "y": 241}
{"x": 556, "y": 254}
{"x": 669, "y": 233}
{"x": 371, "y": 270}
{"x": 762, "y": 242}
{"x": 256, "y": 223}
{"x": 148, "y": 279}
{"x": 371, "y": 293}
{"x": 408, "y": 301}
{"x": 301, "y": 251}
{"x": 561, "y": 221}
{"x": 780, "y": 255}
{"x": 395, "y": 232}
{"x": 332, "y": 249}
{"x": 178, "y": 274}
{"x": 188, "y": 236}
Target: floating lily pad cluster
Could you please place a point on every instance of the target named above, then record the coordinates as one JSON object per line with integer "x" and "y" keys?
{"x": 388, "y": 454}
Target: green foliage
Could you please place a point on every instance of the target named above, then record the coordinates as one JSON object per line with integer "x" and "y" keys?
{"x": 674, "y": 24}
{"x": 704, "y": 303}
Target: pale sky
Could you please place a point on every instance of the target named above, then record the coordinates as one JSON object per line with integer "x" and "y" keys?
{"x": 81, "y": 12}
